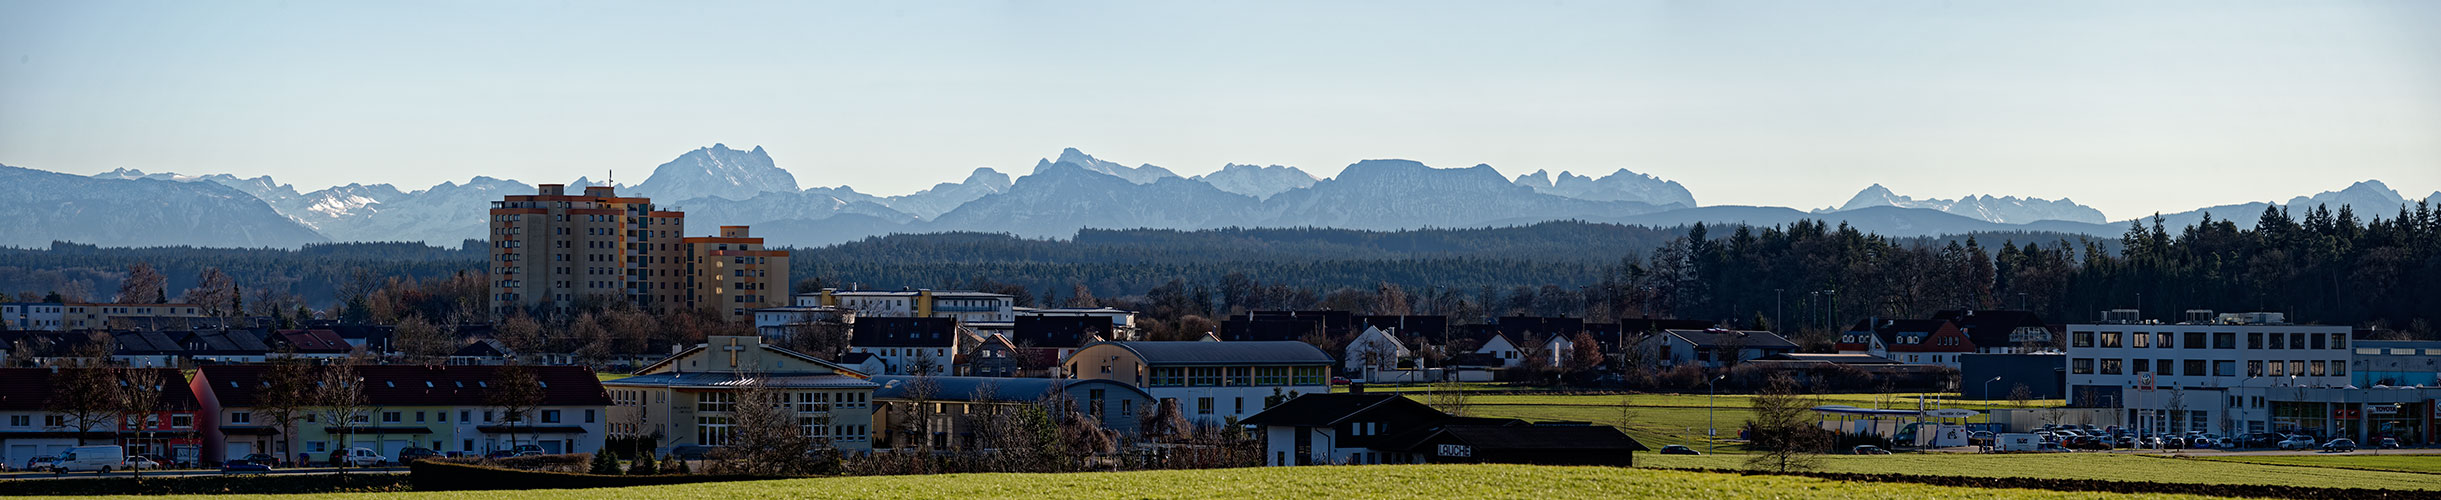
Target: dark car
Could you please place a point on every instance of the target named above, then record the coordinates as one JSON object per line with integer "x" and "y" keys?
{"x": 262, "y": 459}
{"x": 2386, "y": 444}
{"x": 2341, "y": 445}
{"x": 693, "y": 452}
{"x": 500, "y": 454}
{"x": 414, "y": 454}
{"x": 243, "y": 466}
{"x": 1867, "y": 449}
{"x": 1679, "y": 449}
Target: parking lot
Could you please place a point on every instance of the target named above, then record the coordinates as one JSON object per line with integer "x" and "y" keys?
{"x": 202, "y": 472}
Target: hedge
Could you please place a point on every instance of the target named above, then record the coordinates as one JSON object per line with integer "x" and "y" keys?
{"x": 2097, "y": 485}
{"x": 434, "y": 475}
{"x": 258, "y": 484}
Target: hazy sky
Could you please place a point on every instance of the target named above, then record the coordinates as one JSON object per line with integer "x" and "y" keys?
{"x": 2131, "y": 107}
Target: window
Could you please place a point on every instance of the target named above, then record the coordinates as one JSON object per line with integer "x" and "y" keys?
{"x": 2276, "y": 343}
{"x": 2339, "y": 341}
{"x": 419, "y": 416}
{"x": 2146, "y": 365}
{"x": 21, "y": 420}
{"x": 2318, "y": 368}
{"x": 182, "y": 421}
{"x": 390, "y": 417}
{"x": 1203, "y": 406}
{"x": 2081, "y": 339}
{"x": 2224, "y": 368}
{"x": 2141, "y": 339}
{"x": 2254, "y": 340}
{"x": 2224, "y": 340}
{"x": 1238, "y": 376}
{"x": 2110, "y": 366}
{"x": 2110, "y": 339}
{"x": 1241, "y": 405}
{"x": 463, "y": 414}
{"x": 1204, "y": 376}
{"x": 2254, "y": 368}
{"x": 2195, "y": 340}
{"x": 2317, "y": 340}
{"x": 2296, "y": 368}
{"x": 550, "y": 416}
{"x": 1169, "y": 377}
{"x": 2296, "y": 341}
{"x": 2339, "y": 368}
{"x": 2081, "y": 366}
{"x": 2278, "y": 369}
{"x": 2195, "y": 367}
{"x": 716, "y": 402}
{"x": 588, "y": 416}
{"x": 1311, "y": 375}
{"x": 241, "y": 417}
{"x": 2163, "y": 340}
{"x": 2165, "y": 368}
{"x": 713, "y": 431}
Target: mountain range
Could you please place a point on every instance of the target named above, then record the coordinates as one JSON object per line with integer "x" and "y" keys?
{"x": 718, "y": 185}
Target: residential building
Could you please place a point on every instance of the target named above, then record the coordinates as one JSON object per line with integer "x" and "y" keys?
{"x": 977, "y": 309}
{"x": 2003, "y": 332}
{"x": 2174, "y": 378}
{"x": 1122, "y": 322}
{"x": 33, "y": 316}
{"x": 2042, "y": 374}
{"x": 1375, "y": 349}
{"x": 82, "y": 317}
{"x": 444, "y": 408}
{"x": 687, "y": 399}
{"x": 1715, "y": 348}
{"x": 35, "y": 427}
{"x": 1210, "y": 381}
{"x": 1042, "y": 341}
{"x": 991, "y": 356}
{"x": 1326, "y": 429}
{"x": 1477, "y": 346}
{"x": 780, "y": 323}
{"x": 320, "y": 344}
{"x": 911, "y": 346}
{"x": 1921, "y": 341}
{"x": 732, "y": 273}
{"x": 950, "y": 405}
{"x": 553, "y": 251}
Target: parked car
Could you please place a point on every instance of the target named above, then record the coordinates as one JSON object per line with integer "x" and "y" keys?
{"x": 1679, "y": 449}
{"x": 358, "y": 457}
{"x": 2341, "y": 445}
{"x": 2297, "y": 442}
{"x": 2263, "y": 440}
{"x": 1866, "y": 449}
{"x": 102, "y": 458}
{"x": 139, "y": 462}
{"x": 236, "y": 466}
{"x": 39, "y": 464}
{"x": 528, "y": 449}
{"x": 1980, "y": 438}
{"x": 263, "y": 459}
{"x": 693, "y": 452}
{"x": 412, "y": 454}
{"x": 500, "y": 454}
{"x": 2387, "y": 444}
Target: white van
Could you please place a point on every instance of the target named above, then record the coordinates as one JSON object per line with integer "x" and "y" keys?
{"x": 92, "y": 458}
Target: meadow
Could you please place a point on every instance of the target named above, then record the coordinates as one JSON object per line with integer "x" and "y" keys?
{"x": 2101, "y": 466}
{"x": 2392, "y": 461}
{"x": 1434, "y": 482}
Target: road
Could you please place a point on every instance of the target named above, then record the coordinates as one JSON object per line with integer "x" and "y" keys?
{"x": 200, "y": 472}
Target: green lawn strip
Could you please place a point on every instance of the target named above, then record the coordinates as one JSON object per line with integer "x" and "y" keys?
{"x": 1434, "y": 482}
{"x": 2107, "y": 467}
{"x": 2421, "y": 464}
{"x": 607, "y": 376}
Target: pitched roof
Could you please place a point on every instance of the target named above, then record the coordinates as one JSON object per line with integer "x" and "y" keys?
{"x": 726, "y": 380}
{"x": 1324, "y": 410}
{"x": 1991, "y": 328}
{"x": 1751, "y": 339}
{"x": 1271, "y": 328}
{"x": 30, "y": 389}
{"x": 414, "y": 385}
{"x": 146, "y": 342}
{"x": 904, "y": 332}
{"x": 229, "y": 342}
{"x": 1225, "y": 353}
{"x": 315, "y": 341}
{"x": 1060, "y": 331}
{"x": 1435, "y": 328}
{"x": 1844, "y": 359}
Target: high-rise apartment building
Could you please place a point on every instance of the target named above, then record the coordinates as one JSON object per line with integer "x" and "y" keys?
{"x": 554, "y": 253}
{"x": 733, "y": 274}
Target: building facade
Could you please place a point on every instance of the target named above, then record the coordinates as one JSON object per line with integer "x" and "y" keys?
{"x": 443, "y": 408}
{"x": 733, "y": 274}
{"x": 1209, "y": 381}
{"x": 34, "y": 316}
{"x": 976, "y": 309}
{"x": 552, "y": 252}
{"x": 688, "y": 398}
{"x": 2174, "y": 378}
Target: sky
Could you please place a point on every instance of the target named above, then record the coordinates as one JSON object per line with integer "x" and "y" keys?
{"x": 2130, "y": 107}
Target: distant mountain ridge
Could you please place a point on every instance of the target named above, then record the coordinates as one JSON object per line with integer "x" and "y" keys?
{"x": 718, "y": 185}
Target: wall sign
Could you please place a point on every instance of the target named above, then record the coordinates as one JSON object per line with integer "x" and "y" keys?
{"x": 1457, "y": 450}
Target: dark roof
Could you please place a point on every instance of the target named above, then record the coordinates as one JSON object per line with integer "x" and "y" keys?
{"x": 1334, "y": 323}
{"x": 1435, "y": 328}
{"x": 1751, "y": 339}
{"x": 1324, "y": 410}
{"x": 410, "y": 385}
{"x": 1225, "y": 353}
{"x": 1648, "y": 325}
{"x": 905, "y": 332}
{"x": 1536, "y": 437}
{"x": 1844, "y": 359}
{"x": 854, "y": 358}
{"x": 146, "y": 342}
{"x": 30, "y": 389}
{"x": 1004, "y": 389}
{"x": 1991, "y": 328}
{"x": 314, "y": 341}
{"x": 485, "y": 348}
{"x": 1060, "y": 331}
{"x": 1519, "y": 328}
{"x": 1271, "y": 329}
{"x": 229, "y": 342}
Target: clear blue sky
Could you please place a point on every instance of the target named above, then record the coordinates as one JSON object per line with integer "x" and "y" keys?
{"x": 2132, "y": 107}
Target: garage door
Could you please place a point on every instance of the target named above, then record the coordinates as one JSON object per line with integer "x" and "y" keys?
{"x": 18, "y": 454}
{"x": 239, "y": 450}
{"x": 392, "y": 447}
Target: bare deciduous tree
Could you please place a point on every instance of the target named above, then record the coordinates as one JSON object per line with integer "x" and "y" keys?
{"x": 1782, "y": 433}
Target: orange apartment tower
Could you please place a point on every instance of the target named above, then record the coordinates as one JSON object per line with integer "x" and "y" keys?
{"x": 733, "y": 274}
{"x": 554, "y": 253}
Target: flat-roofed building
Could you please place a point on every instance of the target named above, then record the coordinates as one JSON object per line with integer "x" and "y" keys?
{"x": 552, "y": 252}
{"x": 733, "y": 274}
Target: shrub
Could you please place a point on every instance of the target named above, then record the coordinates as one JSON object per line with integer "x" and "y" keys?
{"x": 644, "y": 465}
{"x": 207, "y": 485}
{"x": 604, "y": 464}
{"x": 446, "y": 476}
{"x": 564, "y": 462}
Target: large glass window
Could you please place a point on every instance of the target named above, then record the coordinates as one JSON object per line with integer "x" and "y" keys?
{"x": 2195, "y": 340}
{"x": 1204, "y": 376}
{"x": 2110, "y": 366}
{"x": 1311, "y": 375}
{"x": 2224, "y": 340}
{"x": 2140, "y": 340}
{"x": 1271, "y": 375}
{"x": 715, "y": 402}
{"x": 2081, "y": 366}
{"x": 1238, "y": 376}
{"x": 2195, "y": 367}
{"x": 2110, "y": 339}
{"x": 2081, "y": 339}
{"x": 1169, "y": 377}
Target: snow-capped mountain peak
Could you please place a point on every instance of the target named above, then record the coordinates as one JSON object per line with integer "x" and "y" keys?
{"x": 1142, "y": 174}
{"x": 1257, "y": 181}
{"x": 2005, "y": 210}
{"x": 717, "y": 171}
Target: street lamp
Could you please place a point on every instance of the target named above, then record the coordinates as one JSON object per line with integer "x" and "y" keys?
{"x": 1711, "y": 431}
{"x": 1987, "y": 391}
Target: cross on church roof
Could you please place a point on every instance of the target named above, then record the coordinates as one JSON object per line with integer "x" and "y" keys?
{"x": 733, "y": 349}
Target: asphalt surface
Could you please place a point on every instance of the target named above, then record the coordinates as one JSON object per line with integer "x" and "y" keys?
{"x": 201, "y": 472}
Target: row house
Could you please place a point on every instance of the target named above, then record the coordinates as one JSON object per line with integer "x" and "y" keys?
{"x": 1209, "y": 381}
{"x": 1916, "y": 341}
{"x": 36, "y": 426}
{"x": 1330, "y": 429}
{"x": 1715, "y": 347}
{"x": 443, "y": 408}
{"x": 912, "y": 346}
{"x": 949, "y": 406}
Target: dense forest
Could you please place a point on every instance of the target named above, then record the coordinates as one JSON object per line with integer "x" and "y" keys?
{"x": 2323, "y": 266}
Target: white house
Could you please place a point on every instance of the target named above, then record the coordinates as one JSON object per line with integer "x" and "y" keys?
{"x": 911, "y": 346}
{"x": 42, "y": 316}
{"x": 1375, "y": 349}
{"x": 1210, "y": 381}
{"x": 1714, "y": 348}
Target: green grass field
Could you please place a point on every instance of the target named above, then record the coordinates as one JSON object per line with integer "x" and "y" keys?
{"x": 1666, "y": 419}
{"x": 2111, "y": 467}
{"x": 1435, "y": 482}
{"x": 607, "y": 376}
{"x": 2425, "y": 464}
